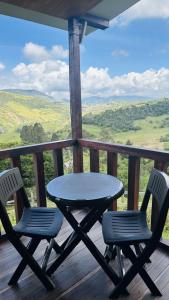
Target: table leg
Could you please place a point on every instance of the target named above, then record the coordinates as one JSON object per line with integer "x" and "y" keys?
{"x": 81, "y": 232}
{"x": 66, "y": 251}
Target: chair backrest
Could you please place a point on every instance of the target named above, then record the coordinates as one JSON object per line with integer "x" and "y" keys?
{"x": 158, "y": 187}
{"x": 10, "y": 182}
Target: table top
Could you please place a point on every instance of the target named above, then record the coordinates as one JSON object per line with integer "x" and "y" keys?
{"x": 84, "y": 188}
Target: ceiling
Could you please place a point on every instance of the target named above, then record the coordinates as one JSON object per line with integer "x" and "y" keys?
{"x": 56, "y": 12}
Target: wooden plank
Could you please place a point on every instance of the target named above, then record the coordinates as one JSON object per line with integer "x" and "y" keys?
{"x": 112, "y": 163}
{"x": 18, "y": 201}
{"x": 58, "y": 162}
{"x": 39, "y": 178}
{"x": 162, "y": 166}
{"x": 75, "y": 91}
{"x": 133, "y": 182}
{"x": 112, "y": 170}
{"x": 124, "y": 149}
{"x": 56, "y": 8}
{"x": 30, "y": 149}
{"x": 94, "y": 160}
{"x": 77, "y": 159}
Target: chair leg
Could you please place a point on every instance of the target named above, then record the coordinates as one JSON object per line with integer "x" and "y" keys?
{"x": 110, "y": 253}
{"x": 139, "y": 248}
{"x": 47, "y": 254}
{"x": 56, "y": 247}
{"x": 133, "y": 271}
{"x": 144, "y": 275}
{"x": 33, "y": 244}
{"x": 47, "y": 282}
{"x": 120, "y": 262}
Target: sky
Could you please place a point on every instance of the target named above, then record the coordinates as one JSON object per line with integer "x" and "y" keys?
{"x": 131, "y": 58}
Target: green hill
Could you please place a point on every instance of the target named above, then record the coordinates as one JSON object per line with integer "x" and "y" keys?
{"x": 122, "y": 119}
{"x": 19, "y": 110}
{"x": 142, "y": 124}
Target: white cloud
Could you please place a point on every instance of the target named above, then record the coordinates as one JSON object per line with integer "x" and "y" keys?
{"x": 35, "y": 52}
{"x": 58, "y": 51}
{"x": 48, "y": 76}
{"x": 52, "y": 78}
{"x": 2, "y": 66}
{"x": 39, "y": 53}
{"x": 152, "y": 83}
{"x": 142, "y": 10}
{"x": 119, "y": 52}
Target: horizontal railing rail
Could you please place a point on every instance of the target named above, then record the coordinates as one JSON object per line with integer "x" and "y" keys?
{"x": 125, "y": 149}
{"x": 30, "y": 149}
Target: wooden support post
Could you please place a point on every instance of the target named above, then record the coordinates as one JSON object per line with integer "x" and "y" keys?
{"x": 58, "y": 162}
{"x": 94, "y": 160}
{"x": 112, "y": 170}
{"x": 18, "y": 202}
{"x": 133, "y": 182}
{"x": 75, "y": 91}
{"x": 39, "y": 178}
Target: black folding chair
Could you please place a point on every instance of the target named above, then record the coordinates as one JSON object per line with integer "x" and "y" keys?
{"x": 126, "y": 228}
{"x": 36, "y": 222}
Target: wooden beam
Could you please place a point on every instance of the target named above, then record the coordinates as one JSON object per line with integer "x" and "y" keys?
{"x": 75, "y": 91}
{"x": 82, "y": 31}
{"x": 94, "y": 160}
{"x": 58, "y": 162}
{"x": 95, "y": 21}
{"x": 39, "y": 178}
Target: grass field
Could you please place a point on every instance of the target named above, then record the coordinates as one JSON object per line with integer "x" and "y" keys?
{"x": 148, "y": 136}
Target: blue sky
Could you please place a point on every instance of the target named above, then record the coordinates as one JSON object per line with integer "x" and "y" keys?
{"x": 129, "y": 58}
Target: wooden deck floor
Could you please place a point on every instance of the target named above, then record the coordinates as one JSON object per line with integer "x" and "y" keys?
{"x": 79, "y": 277}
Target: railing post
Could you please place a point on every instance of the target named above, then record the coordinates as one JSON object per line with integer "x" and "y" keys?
{"x": 133, "y": 182}
{"x": 58, "y": 162}
{"x": 160, "y": 165}
{"x": 94, "y": 160}
{"x": 39, "y": 178}
{"x": 18, "y": 201}
{"x": 112, "y": 170}
{"x": 75, "y": 91}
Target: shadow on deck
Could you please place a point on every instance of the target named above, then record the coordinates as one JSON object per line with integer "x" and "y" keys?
{"x": 79, "y": 277}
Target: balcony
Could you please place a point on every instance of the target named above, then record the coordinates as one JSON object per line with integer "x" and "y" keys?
{"x": 89, "y": 281}
{"x": 79, "y": 277}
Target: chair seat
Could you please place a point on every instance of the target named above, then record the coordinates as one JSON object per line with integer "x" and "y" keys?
{"x": 124, "y": 227}
{"x": 40, "y": 222}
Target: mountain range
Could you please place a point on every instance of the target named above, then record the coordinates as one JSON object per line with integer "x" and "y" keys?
{"x": 87, "y": 101}
{"x": 32, "y": 93}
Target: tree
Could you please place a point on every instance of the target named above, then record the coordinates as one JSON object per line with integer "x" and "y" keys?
{"x": 129, "y": 142}
{"x": 31, "y": 134}
{"x": 55, "y": 137}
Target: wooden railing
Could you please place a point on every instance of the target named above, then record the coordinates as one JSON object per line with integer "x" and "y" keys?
{"x": 134, "y": 154}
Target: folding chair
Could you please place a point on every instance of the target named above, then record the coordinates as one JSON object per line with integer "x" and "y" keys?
{"x": 38, "y": 223}
{"x": 127, "y": 228}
